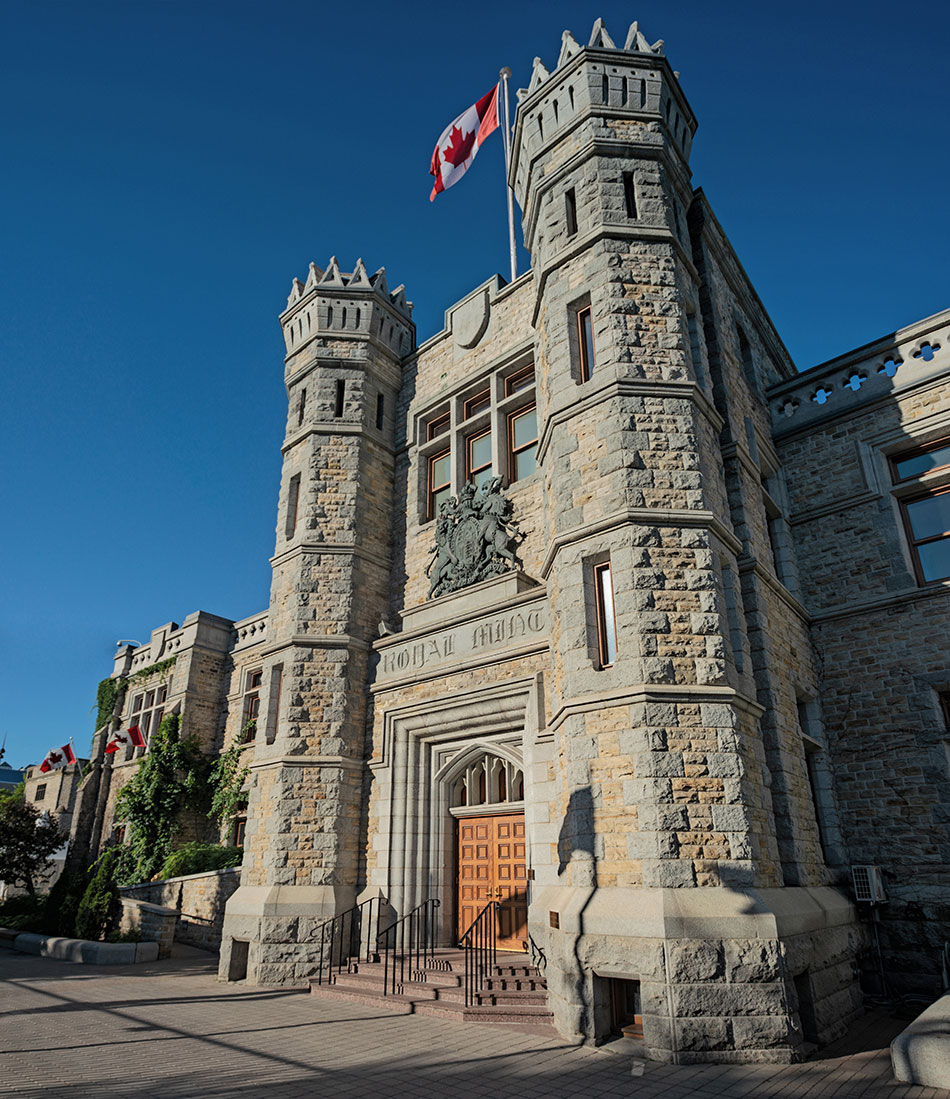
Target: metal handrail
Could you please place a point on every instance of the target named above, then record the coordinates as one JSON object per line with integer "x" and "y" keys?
{"x": 341, "y": 939}
{"x": 478, "y": 942}
{"x": 408, "y": 943}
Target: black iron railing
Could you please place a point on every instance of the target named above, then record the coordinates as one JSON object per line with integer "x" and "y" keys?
{"x": 478, "y": 942}
{"x": 538, "y": 960}
{"x": 408, "y": 947}
{"x": 348, "y": 938}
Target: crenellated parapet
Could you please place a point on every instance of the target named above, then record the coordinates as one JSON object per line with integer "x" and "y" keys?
{"x": 601, "y": 98}
{"x": 899, "y": 361}
{"x": 335, "y": 305}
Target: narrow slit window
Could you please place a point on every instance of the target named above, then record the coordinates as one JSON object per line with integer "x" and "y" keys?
{"x": 570, "y": 206}
{"x": 522, "y": 443}
{"x": 380, "y": 411}
{"x": 695, "y": 349}
{"x": 293, "y": 496}
{"x": 440, "y": 482}
{"x": 606, "y": 621}
{"x": 478, "y": 459}
{"x": 301, "y": 407}
{"x": 629, "y": 195}
{"x": 273, "y": 702}
{"x": 340, "y": 397}
{"x": 585, "y": 341}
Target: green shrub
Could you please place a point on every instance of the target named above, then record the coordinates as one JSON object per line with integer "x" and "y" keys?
{"x": 196, "y": 858}
{"x": 100, "y": 903}
{"x": 23, "y": 913}
{"x": 62, "y": 904}
{"x": 132, "y": 936}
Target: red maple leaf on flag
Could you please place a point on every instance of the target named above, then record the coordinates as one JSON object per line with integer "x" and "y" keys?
{"x": 459, "y": 147}
{"x": 55, "y": 757}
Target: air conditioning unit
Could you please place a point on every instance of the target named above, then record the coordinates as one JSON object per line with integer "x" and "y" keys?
{"x": 868, "y": 884}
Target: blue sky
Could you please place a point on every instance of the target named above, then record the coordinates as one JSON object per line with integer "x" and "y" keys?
{"x": 167, "y": 168}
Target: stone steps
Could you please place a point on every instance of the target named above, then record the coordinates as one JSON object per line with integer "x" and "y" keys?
{"x": 513, "y": 994}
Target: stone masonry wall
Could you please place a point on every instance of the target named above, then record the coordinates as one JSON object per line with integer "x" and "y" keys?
{"x": 199, "y": 900}
{"x": 873, "y": 626}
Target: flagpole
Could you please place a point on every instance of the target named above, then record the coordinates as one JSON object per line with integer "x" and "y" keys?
{"x": 504, "y": 75}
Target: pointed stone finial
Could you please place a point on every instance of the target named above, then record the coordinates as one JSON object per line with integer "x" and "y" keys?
{"x": 296, "y": 292}
{"x": 359, "y": 277}
{"x": 569, "y": 47}
{"x": 521, "y": 94}
{"x": 331, "y": 277}
{"x": 379, "y": 281}
{"x": 599, "y": 38}
{"x": 398, "y": 298}
{"x": 538, "y": 74}
{"x": 638, "y": 44}
{"x": 314, "y": 275}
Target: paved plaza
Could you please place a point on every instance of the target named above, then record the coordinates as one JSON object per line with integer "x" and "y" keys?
{"x": 170, "y": 1029}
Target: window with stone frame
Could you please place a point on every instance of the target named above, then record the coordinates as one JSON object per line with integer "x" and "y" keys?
{"x": 922, "y": 487}
{"x": 459, "y": 444}
{"x": 40, "y": 792}
{"x": 238, "y": 829}
{"x": 252, "y": 705}
{"x": 585, "y": 343}
{"x": 439, "y": 482}
{"x": 478, "y": 460}
{"x": 148, "y": 709}
{"x": 522, "y": 442}
{"x": 606, "y": 617}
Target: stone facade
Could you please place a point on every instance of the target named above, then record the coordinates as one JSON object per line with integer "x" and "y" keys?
{"x": 709, "y": 682}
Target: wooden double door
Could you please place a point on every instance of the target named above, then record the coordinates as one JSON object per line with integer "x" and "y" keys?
{"x": 492, "y": 867}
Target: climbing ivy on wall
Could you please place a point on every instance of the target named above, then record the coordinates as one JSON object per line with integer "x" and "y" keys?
{"x": 228, "y": 796}
{"x": 162, "y": 668}
{"x": 173, "y": 777}
{"x": 109, "y": 698}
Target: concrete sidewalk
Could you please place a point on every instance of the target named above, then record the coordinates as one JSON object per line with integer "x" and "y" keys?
{"x": 170, "y": 1029}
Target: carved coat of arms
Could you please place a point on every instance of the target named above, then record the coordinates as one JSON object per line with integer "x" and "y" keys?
{"x": 475, "y": 538}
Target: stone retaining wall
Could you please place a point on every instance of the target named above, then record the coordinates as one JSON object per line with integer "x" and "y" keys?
{"x": 199, "y": 900}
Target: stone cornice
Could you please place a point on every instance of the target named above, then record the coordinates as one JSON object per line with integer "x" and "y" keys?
{"x": 317, "y": 641}
{"x": 597, "y": 391}
{"x": 343, "y": 762}
{"x": 336, "y": 427}
{"x": 351, "y": 548}
{"x": 745, "y": 564}
{"x": 653, "y": 692}
{"x": 652, "y": 517}
{"x": 582, "y": 242}
{"x": 884, "y": 602}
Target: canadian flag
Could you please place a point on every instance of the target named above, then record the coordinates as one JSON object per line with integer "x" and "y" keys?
{"x": 132, "y": 735}
{"x": 461, "y": 140}
{"x": 58, "y": 757}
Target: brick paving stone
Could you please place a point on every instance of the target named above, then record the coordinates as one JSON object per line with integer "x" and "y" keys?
{"x": 171, "y": 1029}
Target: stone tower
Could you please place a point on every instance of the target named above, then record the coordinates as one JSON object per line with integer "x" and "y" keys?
{"x": 667, "y": 866}
{"x": 345, "y": 335}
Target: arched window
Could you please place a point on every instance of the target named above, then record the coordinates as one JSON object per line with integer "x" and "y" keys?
{"x": 488, "y": 780}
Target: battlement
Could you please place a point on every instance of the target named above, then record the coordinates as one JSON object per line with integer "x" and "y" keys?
{"x": 901, "y": 360}
{"x": 324, "y": 305}
{"x": 600, "y": 103}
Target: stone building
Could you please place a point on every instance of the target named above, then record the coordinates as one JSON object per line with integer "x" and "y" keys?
{"x": 710, "y": 682}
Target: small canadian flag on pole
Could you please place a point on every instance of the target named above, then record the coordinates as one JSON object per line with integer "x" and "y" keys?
{"x": 132, "y": 735}
{"x": 58, "y": 757}
{"x": 461, "y": 140}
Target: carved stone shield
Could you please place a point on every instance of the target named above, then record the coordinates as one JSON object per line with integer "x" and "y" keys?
{"x": 468, "y": 542}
